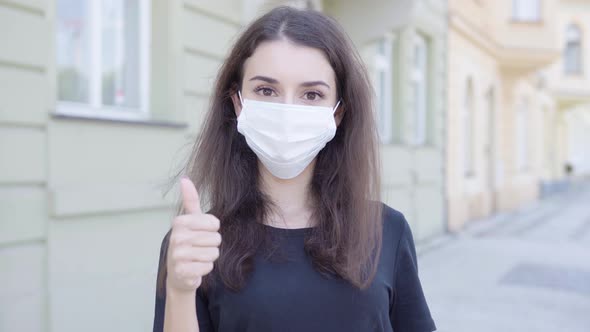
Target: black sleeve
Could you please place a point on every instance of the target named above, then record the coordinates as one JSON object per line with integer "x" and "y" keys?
{"x": 160, "y": 305}
{"x": 409, "y": 312}
{"x": 203, "y": 316}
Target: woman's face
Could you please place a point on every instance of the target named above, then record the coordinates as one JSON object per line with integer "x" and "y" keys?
{"x": 283, "y": 72}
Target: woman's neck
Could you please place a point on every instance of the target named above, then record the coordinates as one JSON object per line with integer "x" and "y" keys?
{"x": 290, "y": 198}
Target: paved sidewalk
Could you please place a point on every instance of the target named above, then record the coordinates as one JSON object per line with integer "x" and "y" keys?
{"x": 524, "y": 271}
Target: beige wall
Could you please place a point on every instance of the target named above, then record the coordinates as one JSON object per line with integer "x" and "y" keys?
{"x": 521, "y": 184}
{"x": 538, "y": 36}
{"x": 471, "y": 196}
{"x": 578, "y": 13}
{"x": 494, "y": 53}
{"x": 572, "y": 92}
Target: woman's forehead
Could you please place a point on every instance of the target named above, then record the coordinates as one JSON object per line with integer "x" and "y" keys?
{"x": 289, "y": 63}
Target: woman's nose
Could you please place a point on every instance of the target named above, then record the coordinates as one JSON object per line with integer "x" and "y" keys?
{"x": 289, "y": 98}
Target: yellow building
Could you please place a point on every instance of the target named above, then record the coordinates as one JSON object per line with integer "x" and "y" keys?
{"x": 569, "y": 81}
{"x": 501, "y": 112}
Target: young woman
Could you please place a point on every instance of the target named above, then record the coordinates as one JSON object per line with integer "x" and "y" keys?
{"x": 295, "y": 237}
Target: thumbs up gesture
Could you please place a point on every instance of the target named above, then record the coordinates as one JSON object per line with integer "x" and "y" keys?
{"x": 193, "y": 245}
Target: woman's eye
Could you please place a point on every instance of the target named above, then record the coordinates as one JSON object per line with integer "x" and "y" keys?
{"x": 267, "y": 92}
{"x": 312, "y": 95}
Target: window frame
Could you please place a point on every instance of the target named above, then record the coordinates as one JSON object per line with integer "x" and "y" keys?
{"x": 529, "y": 16}
{"x": 523, "y": 111}
{"x": 579, "y": 42}
{"x": 468, "y": 117}
{"x": 95, "y": 108}
{"x": 384, "y": 76}
{"x": 420, "y": 78}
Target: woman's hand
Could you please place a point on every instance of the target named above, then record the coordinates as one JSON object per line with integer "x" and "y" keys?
{"x": 194, "y": 243}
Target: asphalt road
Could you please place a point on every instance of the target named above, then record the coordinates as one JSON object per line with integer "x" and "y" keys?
{"x": 524, "y": 271}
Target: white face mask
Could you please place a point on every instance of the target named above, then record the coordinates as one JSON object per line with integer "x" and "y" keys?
{"x": 286, "y": 137}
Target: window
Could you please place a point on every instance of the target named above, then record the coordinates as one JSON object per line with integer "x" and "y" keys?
{"x": 489, "y": 129}
{"x": 572, "y": 57}
{"x": 103, "y": 57}
{"x": 420, "y": 90}
{"x": 526, "y": 10}
{"x": 522, "y": 134}
{"x": 468, "y": 124}
{"x": 384, "y": 89}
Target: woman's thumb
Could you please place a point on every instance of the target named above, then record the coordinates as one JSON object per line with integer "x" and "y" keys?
{"x": 190, "y": 196}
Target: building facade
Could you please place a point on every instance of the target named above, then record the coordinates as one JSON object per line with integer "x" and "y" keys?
{"x": 99, "y": 104}
{"x": 569, "y": 81}
{"x": 502, "y": 113}
{"x": 93, "y": 107}
{"x": 403, "y": 44}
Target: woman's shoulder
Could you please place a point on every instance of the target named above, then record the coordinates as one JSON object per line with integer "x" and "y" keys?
{"x": 395, "y": 224}
{"x": 392, "y": 215}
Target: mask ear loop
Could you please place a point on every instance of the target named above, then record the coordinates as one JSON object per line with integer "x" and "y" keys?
{"x": 336, "y": 107}
{"x": 240, "y": 95}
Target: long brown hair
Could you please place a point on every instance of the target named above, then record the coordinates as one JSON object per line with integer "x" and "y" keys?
{"x": 345, "y": 186}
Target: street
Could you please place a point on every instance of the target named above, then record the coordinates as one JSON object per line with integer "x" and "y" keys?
{"x": 528, "y": 270}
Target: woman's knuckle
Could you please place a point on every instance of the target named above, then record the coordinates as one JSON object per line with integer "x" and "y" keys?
{"x": 211, "y": 220}
{"x": 178, "y": 270}
{"x": 174, "y": 239}
{"x": 201, "y": 256}
{"x": 177, "y": 255}
{"x": 217, "y": 238}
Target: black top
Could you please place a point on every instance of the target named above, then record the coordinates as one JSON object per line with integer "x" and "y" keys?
{"x": 292, "y": 296}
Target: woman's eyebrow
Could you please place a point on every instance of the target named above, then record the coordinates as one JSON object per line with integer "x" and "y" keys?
{"x": 270, "y": 80}
{"x": 265, "y": 79}
{"x": 313, "y": 83}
